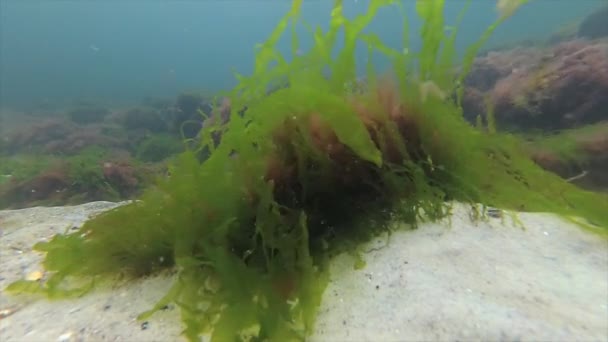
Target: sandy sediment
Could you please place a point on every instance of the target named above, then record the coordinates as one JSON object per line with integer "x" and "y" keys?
{"x": 488, "y": 280}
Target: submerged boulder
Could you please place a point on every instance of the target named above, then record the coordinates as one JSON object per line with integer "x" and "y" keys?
{"x": 595, "y": 25}
{"x": 562, "y": 86}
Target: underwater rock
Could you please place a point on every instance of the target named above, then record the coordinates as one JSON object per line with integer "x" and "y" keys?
{"x": 106, "y": 315}
{"x": 86, "y": 114}
{"x": 157, "y": 103}
{"x": 59, "y": 136}
{"x": 83, "y": 138}
{"x": 36, "y": 134}
{"x": 562, "y": 86}
{"x": 508, "y": 287}
{"x": 144, "y": 118}
{"x": 595, "y": 25}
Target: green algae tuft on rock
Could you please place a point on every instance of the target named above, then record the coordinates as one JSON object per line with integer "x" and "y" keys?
{"x": 303, "y": 172}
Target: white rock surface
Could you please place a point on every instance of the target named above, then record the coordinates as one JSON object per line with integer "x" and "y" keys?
{"x": 465, "y": 281}
{"x": 107, "y": 315}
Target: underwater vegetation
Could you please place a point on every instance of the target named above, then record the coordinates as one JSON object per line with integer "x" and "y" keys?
{"x": 38, "y": 155}
{"x": 556, "y": 87}
{"x": 579, "y": 155}
{"x": 158, "y": 147}
{"x": 553, "y": 96}
{"x": 187, "y": 119}
{"x": 59, "y": 136}
{"x": 37, "y": 135}
{"x": 22, "y": 167}
{"x": 307, "y": 171}
{"x": 93, "y": 174}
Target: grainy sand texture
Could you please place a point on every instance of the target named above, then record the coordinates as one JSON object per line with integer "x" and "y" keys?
{"x": 489, "y": 280}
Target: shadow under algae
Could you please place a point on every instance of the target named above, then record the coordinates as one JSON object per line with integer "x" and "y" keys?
{"x": 306, "y": 171}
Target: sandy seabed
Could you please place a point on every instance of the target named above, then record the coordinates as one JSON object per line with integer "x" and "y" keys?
{"x": 486, "y": 280}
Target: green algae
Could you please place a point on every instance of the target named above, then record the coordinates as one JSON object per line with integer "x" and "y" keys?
{"x": 251, "y": 247}
{"x": 568, "y": 145}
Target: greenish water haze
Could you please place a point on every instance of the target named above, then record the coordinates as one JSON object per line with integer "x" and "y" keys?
{"x": 57, "y": 52}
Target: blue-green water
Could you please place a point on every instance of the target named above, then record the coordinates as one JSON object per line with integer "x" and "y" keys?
{"x": 58, "y": 52}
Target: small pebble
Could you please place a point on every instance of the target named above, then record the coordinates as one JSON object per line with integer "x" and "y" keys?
{"x": 33, "y": 276}
{"x": 65, "y": 337}
{"x": 6, "y": 312}
{"x": 494, "y": 213}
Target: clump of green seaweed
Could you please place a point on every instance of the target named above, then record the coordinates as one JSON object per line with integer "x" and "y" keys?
{"x": 158, "y": 147}
{"x": 579, "y": 155}
{"x": 93, "y": 174}
{"x": 250, "y": 229}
